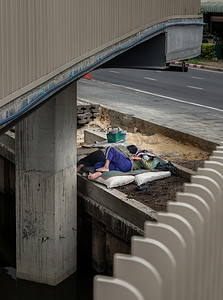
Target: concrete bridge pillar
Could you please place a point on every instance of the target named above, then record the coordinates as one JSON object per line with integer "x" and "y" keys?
{"x": 46, "y": 191}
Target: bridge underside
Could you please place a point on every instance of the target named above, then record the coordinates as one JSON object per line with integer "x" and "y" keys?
{"x": 147, "y": 55}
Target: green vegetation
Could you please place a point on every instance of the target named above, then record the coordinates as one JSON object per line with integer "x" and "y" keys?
{"x": 201, "y": 12}
{"x": 198, "y": 60}
{"x": 208, "y": 51}
{"x": 207, "y": 54}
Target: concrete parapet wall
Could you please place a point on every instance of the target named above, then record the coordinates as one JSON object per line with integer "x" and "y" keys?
{"x": 183, "y": 42}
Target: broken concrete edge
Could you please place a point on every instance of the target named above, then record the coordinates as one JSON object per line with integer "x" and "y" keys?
{"x": 129, "y": 209}
{"x": 129, "y": 122}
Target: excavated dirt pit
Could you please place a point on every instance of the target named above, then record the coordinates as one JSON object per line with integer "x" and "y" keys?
{"x": 179, "y": 153}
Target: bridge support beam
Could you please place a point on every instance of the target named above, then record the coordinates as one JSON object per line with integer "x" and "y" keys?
{"x": 46, "y": 191}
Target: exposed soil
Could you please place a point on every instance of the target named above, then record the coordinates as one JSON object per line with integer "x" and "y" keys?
{"x": 157, "y": 196}
{"x": 167, "y": 148}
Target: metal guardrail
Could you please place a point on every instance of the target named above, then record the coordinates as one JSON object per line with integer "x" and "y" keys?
{"x": 181, "y": 256}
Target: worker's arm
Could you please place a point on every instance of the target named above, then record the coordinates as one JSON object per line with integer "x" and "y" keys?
{"x": 146, "y": 164}
{"x": 132, "y": 158}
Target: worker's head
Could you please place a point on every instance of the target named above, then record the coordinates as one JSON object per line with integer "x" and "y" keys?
{"x": 132, "y": 149}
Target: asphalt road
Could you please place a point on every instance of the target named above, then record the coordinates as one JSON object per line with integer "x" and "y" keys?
{"x": 191, "y": 102}
{"x": 196, "y": 86}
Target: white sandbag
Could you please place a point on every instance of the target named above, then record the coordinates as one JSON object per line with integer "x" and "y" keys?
{"x": 151, "y": 176}
{"x": 116, "y": 181}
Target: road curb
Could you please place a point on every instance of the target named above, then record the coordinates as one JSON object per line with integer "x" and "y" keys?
{"x": 198, "y": 66}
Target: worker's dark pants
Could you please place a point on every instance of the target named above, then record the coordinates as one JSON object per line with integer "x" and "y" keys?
{"x": 91, "y": 159}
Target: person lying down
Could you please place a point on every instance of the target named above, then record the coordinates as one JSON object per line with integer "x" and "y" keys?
{"x": 114, "y": 160}
{"x": 99, "y": 156}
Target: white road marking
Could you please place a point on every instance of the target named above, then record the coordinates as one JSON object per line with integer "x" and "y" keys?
{"x": 116, "y": 72}
{"x": 166, "y": 97}
{"x": 197, "y": 77}
{"x": 194, "y": 87}
{"x": 150, "y": 78}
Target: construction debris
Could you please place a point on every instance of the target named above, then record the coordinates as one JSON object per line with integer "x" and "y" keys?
{"x": 86, "y": 112}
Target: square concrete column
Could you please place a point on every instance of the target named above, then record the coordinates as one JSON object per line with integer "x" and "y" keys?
{"x": 46, "y": 191}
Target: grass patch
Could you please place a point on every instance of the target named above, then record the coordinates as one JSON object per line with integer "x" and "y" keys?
{"x": 199, "y": 61}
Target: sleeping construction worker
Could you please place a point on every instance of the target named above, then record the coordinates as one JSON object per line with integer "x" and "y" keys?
{"x": 114, "y": 160}
{"x": 99, "y": 156}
